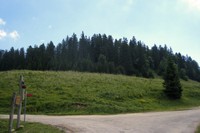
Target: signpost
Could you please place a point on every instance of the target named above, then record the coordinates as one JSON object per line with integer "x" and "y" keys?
{"x": 25, "y": 97}
{"x": 12, "y": 112}
{"x": 17, "y": 100}
{"x": 20, "y": 104}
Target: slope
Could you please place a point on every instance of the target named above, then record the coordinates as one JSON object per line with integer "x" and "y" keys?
{"x": 90, "y": 93}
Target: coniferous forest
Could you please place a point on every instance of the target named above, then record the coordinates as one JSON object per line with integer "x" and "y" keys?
{"x": 102, "y": 54}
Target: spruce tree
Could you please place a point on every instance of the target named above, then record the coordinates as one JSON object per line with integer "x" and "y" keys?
{"x": 173, "y": 89}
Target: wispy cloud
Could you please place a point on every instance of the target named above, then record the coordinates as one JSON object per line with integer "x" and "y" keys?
{"x": 2, "y": 34}
{"x": 2, "y": 22}
{"x": 127, "y": 5}
{"x": 192, "y": 4}
{"x": 14, "y": 35}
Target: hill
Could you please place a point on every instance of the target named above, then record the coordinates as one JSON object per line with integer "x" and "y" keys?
{"x": 90, "y": 93}
{"x": 100, "y": 54}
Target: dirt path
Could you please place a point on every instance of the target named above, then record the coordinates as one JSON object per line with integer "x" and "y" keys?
{"x": 156, "y": 122}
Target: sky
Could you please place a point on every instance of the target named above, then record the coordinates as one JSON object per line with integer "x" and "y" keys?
{"x": 175, "y": 23}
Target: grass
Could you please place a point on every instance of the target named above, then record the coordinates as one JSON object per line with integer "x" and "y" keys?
{"x": 29, "y": 127}
{"x": 198, "y": 129}
{"x": 89, "y": 93}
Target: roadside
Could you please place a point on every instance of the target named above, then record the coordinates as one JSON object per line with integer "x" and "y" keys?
{"x": 198, "y": 129}
{"x": 28, "y": 127}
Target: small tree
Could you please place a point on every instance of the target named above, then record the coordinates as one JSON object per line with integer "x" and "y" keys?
{"x": 172, "y": 84}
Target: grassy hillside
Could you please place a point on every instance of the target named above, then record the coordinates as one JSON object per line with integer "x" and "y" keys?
{"x": 86, "y": 93}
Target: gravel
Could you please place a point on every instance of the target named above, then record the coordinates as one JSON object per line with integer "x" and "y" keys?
{"x": 153, "y": 122}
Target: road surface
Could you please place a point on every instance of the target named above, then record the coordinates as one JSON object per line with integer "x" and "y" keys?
{"x": 154, "y": 122}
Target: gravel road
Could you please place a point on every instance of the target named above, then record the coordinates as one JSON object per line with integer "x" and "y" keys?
{"x": 154, "y": 122}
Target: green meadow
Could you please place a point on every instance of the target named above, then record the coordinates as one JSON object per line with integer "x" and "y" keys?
{"x": 75, "y": 93}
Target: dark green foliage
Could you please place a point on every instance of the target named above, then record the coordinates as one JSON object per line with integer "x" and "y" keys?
{"x": 102, "y": 64}
{"x": 173, "y": 88}
{"x": 125, "y": 57}
{"x": 100, "y": 53}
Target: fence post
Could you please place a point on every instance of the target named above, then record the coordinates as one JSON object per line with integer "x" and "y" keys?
{"x": 25, "y": 98}
{"x": 20, "y": 104}
{"x": 12, "y": 112}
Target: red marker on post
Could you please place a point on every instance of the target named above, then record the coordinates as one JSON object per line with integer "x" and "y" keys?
{"x": 29, "y": 95}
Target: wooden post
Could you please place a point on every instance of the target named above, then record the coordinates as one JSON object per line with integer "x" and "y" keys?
{"x": 20, "y": 105}
{"x": 25, "y": 98}
{"x": 12, "y": 112}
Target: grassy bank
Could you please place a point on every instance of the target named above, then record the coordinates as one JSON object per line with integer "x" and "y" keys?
{"x": 87, "y": 93}
{"x": 198, "y": 129}
{"x": 29, "y": 127}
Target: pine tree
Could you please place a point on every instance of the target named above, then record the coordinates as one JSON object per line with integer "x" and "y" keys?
{"x": 125, "y": 57}
{"x": 22, "y": 58}
{"x": 50, "y": 56}
{"x": 172, "y": 84}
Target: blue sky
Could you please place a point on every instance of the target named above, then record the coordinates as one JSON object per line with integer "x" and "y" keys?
{"x": 171, "y": 22}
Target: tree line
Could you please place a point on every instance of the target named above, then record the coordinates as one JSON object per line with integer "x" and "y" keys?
{"x": 100, "y": 53}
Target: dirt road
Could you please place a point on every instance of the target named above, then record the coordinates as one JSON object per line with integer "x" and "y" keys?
{"x": 155, "y": 122}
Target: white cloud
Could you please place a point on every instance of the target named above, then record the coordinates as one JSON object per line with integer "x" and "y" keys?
{"x": 2, "y": 22}
{"x": 14, "y": 35}
{"x": 2, "y": 34}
